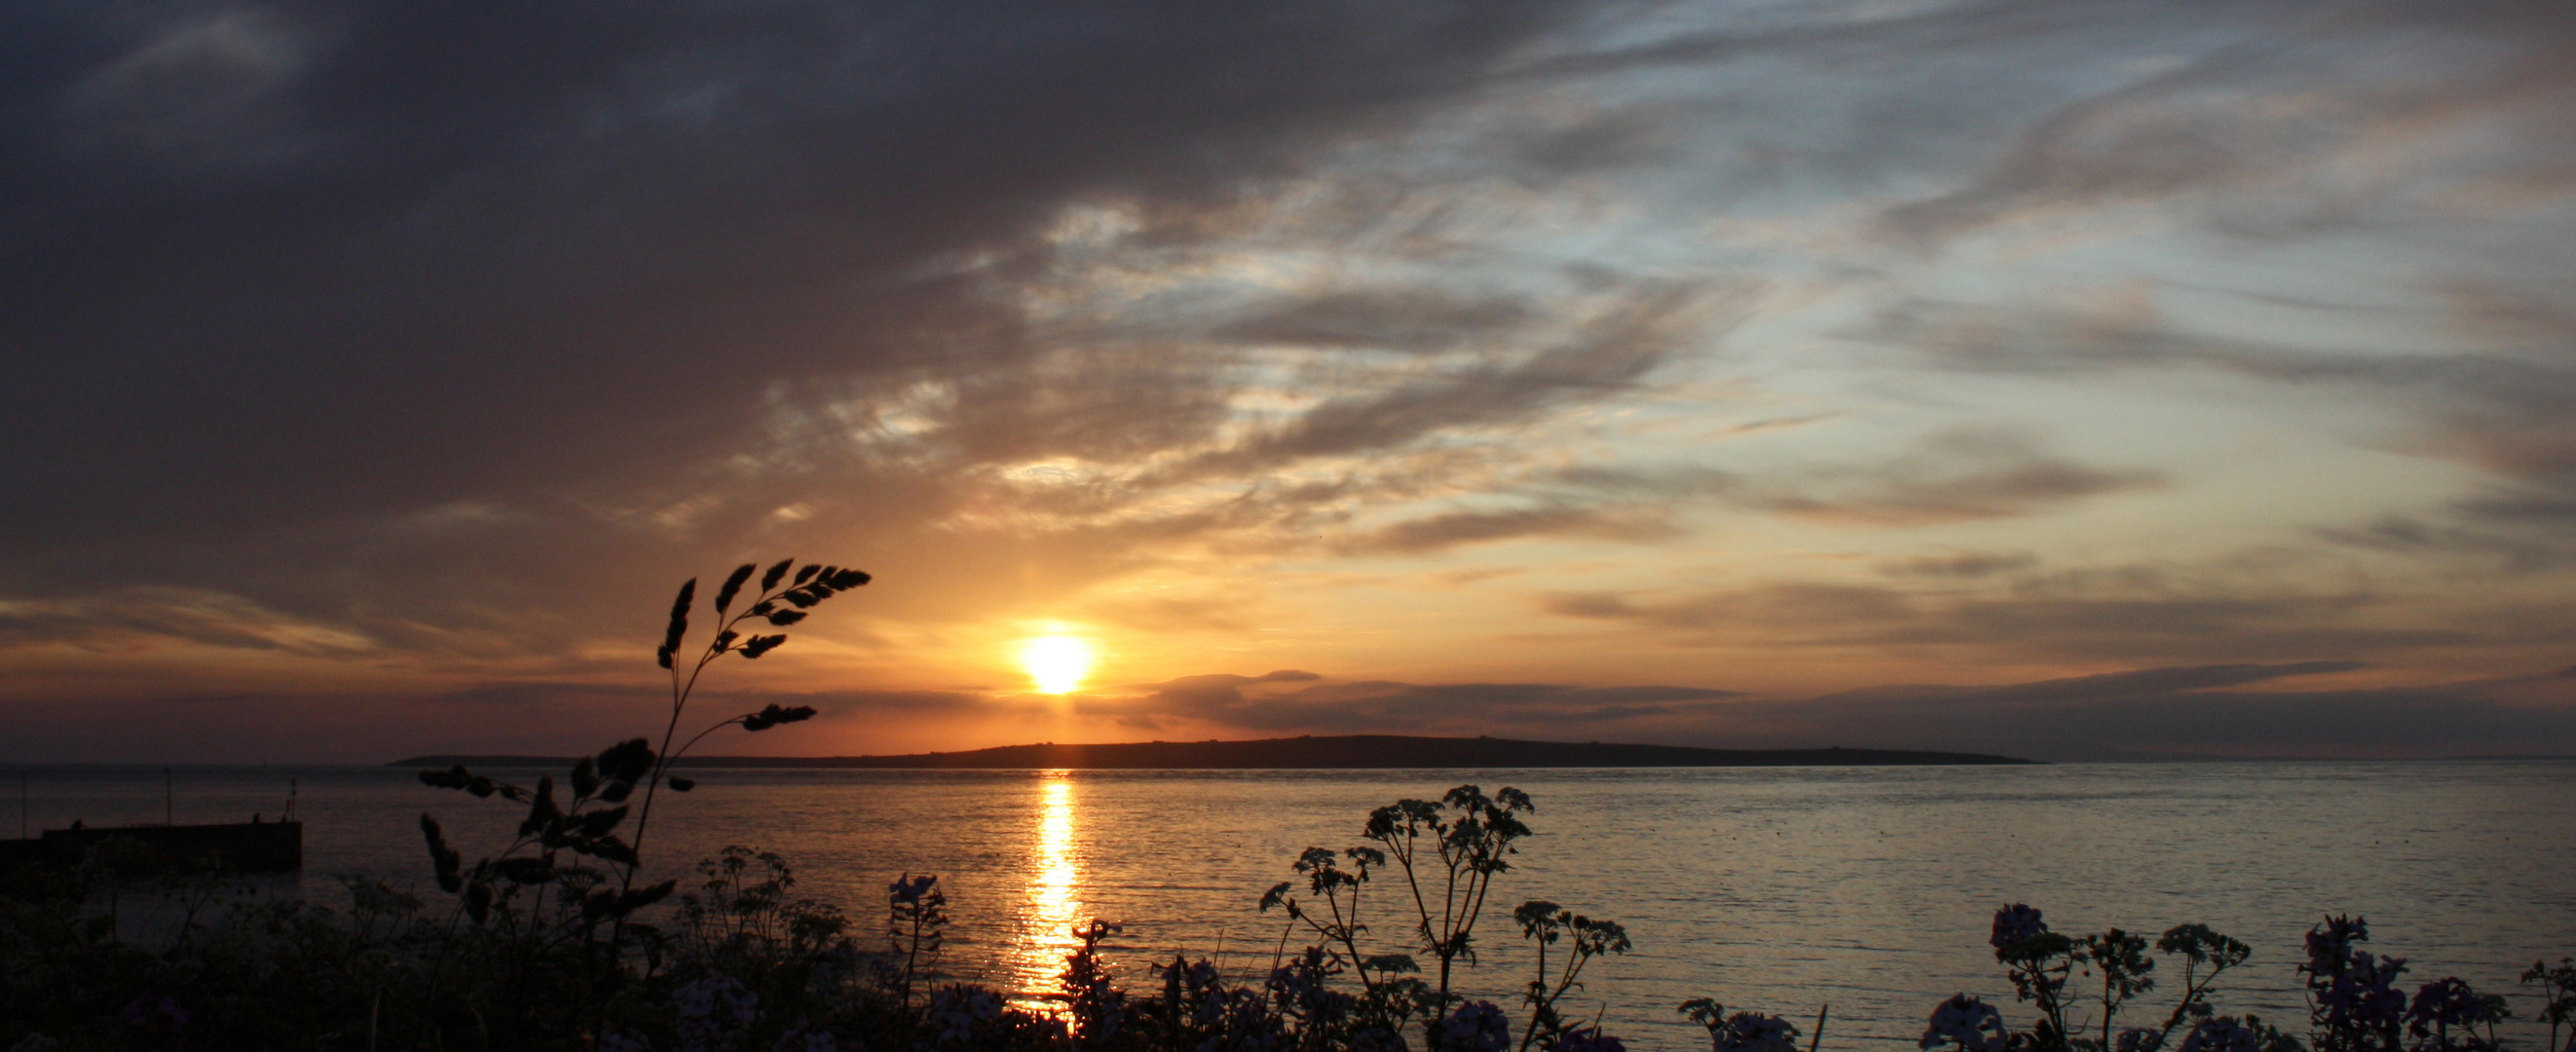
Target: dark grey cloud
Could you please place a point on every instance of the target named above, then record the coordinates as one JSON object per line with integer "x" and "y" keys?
{"x": 1621, "y": 137}
{"x": 1952, "y": 475}
{"x": 1438, "y": 532}
{"x": 1652, "y": 481}
{"x": 1961, "y": 564}
{"x": 123, "y": 619}
{"x": 1220, "y": 692}
{"x": 289, "y": 263}
{"x": 2185, "y": 712}
{"x": 2543, "y": 509}
{"x": 1962, "y": 474}
{"x": 2124, "y": 618}
{"x": 1840, "y": 611}
{"x": 2152, "y": 681}
{"x": 1401, "y": 319}
{"x": 1351, "y": 706}
{"x": 2414, "y": 536}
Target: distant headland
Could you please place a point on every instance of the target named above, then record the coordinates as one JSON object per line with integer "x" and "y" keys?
{"x": 1354, "y": 751}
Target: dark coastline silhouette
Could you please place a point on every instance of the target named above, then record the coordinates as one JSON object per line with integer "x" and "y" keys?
{"x": 1346, "y": 752}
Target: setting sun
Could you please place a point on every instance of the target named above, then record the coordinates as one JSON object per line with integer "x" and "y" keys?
{"x": 1056, "y": 663}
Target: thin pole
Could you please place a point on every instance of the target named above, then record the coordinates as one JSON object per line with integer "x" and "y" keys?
{"x": 166, "y": 809}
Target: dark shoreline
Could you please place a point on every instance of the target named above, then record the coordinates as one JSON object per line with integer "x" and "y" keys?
{"x": 1346, "y": 752}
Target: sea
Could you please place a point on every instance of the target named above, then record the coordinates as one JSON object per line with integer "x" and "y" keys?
{"x": 1865, "y": 893}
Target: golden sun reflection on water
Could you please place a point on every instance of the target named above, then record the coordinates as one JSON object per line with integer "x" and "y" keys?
{"x": 1054, "y": 899}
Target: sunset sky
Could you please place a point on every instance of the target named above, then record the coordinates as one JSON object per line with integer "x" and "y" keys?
{"x": 2053, "y": 378}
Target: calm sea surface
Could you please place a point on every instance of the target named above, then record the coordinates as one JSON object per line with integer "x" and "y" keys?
{"x": 1869, "y": 890}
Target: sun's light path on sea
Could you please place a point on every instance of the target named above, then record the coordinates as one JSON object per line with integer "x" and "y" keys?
{"x": 1054, "y": 896}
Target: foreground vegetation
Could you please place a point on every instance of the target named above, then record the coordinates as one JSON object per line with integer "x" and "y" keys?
{"x": 557, "y": 942}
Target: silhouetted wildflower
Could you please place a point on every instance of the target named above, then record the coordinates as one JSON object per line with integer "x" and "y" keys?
{"x": 713, "y": 1010}
{"x": 1301, "y": 989}
{"x": 2221, "y": 1035}
{"x": 2352, "y": 994}
{"x": 2331, "y": 941}
{"x": 2444, "y": 1002}
{"x": 1098, "y": 1009}
{"x": 2016, "y": 923}
{"x": 1377, "y": 1039}
{"x": 1753, "y": 1032}
{"x": 2558, "y": 998}
{"x": 1235, "y": 1018}
{"x": 957, "y": 1012}
{"x": 1476, "y": 1026}
{"x": 1588, "y": 1039}
{"x": 1971, "y": 1024}
{"x": 909, "y": 890}
{"x": 2365, "y": 994}
{"x": 2447, "y": 1012}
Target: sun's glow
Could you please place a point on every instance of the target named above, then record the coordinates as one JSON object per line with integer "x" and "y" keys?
{"x": 1057, "y": 663}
